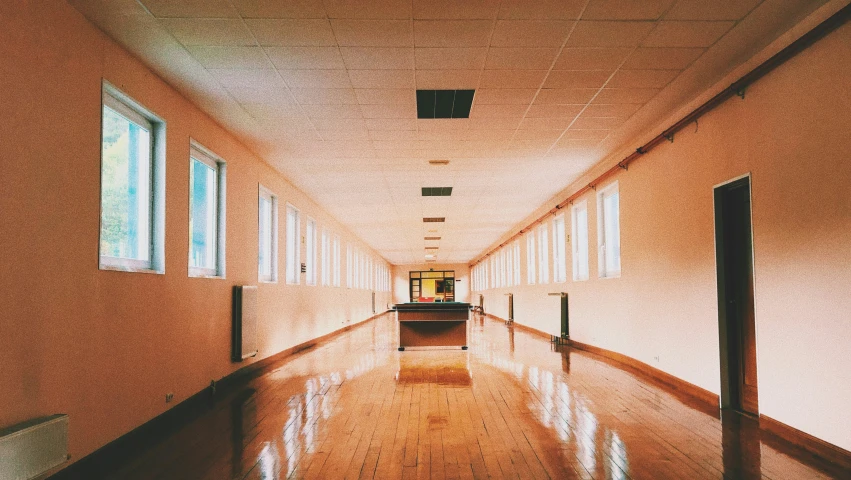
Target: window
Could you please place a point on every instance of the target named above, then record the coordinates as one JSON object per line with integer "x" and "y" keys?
{"x": 326, "y": 259}
{"x": 356, "y": 269}
{"x": 206, "y": 213}
{"x": 608, "y": 231}
{"x": 336, "y": 261}
{"x": 543, "y": 255}
{"x": 267, "y": 257}
{"x": 310, "y": 261}
{"x": 349, "y": 265}
{"x": 579, "y": 231}
{"x": 530, "y": 258}
{"x": 293, "y": 245}
{"x": 559, "y": 247}
{"x": 132, "y": 200}
{"x": 516, "y": 248}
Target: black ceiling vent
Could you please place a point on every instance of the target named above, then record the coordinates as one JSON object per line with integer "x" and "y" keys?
{"x": 437, "y": 191}
{"x": 444, "y": 103}
{"x": 434, "y": 219}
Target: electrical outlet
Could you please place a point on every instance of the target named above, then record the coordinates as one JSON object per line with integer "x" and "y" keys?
{"x": 169, "y": 397}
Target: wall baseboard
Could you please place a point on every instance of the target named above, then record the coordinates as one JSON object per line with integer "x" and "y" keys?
{"x": 807, "y": 443}
{"x": 108, "y": 457}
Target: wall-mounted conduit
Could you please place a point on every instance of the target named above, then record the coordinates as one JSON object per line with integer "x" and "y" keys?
{"x": 737, "y": 88}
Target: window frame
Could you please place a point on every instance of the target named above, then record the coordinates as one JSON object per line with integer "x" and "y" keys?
{"x": 531, "y": 270}
{"x": 264, "y": 192}
{"x": 559, "y": 249}
{"x": 575, "y": 242}
{"x": 200, "y": 153}
{"x": 602, "y": 194}
{"x": 293, "y": 255}
{"x": 337, "y": 266}
{"x": 135, "y": 112}
{"x": 310, "y": 229}
{"x": 543, "y": 254}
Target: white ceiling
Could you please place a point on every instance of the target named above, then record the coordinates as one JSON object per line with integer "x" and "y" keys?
{"x": 325, "y": 92}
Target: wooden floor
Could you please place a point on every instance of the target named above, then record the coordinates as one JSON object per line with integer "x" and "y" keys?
{"x": 512, "y": 406}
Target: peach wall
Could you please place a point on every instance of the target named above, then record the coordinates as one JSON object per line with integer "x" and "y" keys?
{"x": 791, "y": 134}
{"x": 401, "y": 292}
{"x": 103, "y": 346}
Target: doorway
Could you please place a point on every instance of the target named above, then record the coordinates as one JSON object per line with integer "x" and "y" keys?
{"x": 736, "y": 321}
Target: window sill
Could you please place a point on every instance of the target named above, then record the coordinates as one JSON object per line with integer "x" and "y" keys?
{"x": 611, "y": 275}
{"x": 268, "y": 281}
{"x": 205, "y": 274}
{"x": 119, "y": 268}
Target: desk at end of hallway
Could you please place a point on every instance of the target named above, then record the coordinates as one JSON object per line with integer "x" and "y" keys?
{"x": 439, "y": 324}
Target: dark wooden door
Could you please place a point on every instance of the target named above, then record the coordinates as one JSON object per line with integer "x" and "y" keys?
{"x": 734, "y": 242}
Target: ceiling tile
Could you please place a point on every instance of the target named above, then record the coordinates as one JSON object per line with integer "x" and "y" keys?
{"x": 503, "y": 96}
{"x": 263, "y": 111}
{"x": 382, "y": 78}
{"x": 602, "y": 123}
{"x": 452, "y": 33}
{"x": 662, "y": 58}
{"x": 577, "y": 78}
{"x": 546, "y": 123}
{"x": 389, "y": 111}
{"x": 248, "y": 78}
{"x": 316, "y": 78}
{"x": 642, "y": 78}
{"x": 542, "y": 9}
{"x": 279, "y": 9}
{"x": 626, "y": 95}
{"x": 623, "y": 110}
{"x": 386, "y": 96}
{"x": 324, "y": 96}
{"x": 385, "y": 135}
{"x": 563, "y": 96}
{"x": 576, "y": 134}
{"x": 339, "y": 124}
{"x": 447, "y": 79}
{"x": 686, "y": 34}
{"x": 268, "y": 94}
{"x": 568, "y": 111}
{"x": 715, "y": 10}
{"x": 230, "y": 57}
{"x": 480, "y": 135}
{"x": 495, "y": 123}
{"x": 209, "y": 31}
{"x": 455, "y": 10}
{"x": 530, "y": 33}
{"x": 378, "y": 58}
{"x": 609, "y": 34}
{"x": 395, "y": 124}
{"x": 626, "y": 9}
{"x": 512, "y": 78}
{"x": 191, "y": 8}
{"x": 497, "y": 111}
{"x": 370, "y": 9}
{"x": 292, "y": 33}
{"x": 450, "y": 58}
{"x": 373, "y": 33}
{"x": 583, "y": 58}
{"x": 520, "y": 58}
{"x": 306, "y": 58}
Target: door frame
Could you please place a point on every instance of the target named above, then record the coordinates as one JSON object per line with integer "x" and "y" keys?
{"x": 725, "y": 397}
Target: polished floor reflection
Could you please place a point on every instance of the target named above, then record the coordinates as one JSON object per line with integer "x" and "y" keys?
{"x": 512, "y": 406}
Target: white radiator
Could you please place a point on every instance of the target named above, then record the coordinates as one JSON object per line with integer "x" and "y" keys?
{"x": 244, "y": 322}
{"x": 33, "y": 447}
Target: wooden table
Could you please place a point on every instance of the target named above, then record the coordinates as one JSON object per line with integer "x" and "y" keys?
{"x": 439, "y": 324}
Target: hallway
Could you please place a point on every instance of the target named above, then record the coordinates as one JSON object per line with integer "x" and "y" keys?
{"x": 510, "y": 407}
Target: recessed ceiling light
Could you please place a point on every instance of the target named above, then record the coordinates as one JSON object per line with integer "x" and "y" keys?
{"x": 437, "y": 191}
{"x": 434, "y": 219}
{"x": 438, "y": 162}
{"x": 431, "y": 248}
{"x": 432, "y": 238}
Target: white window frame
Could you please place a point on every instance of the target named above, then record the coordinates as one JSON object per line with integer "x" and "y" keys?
{"x": 310, "y": 252}
{"x": 576, "y": 243}
{"x": 543, "y": 255}
{"x": 326, "y": 258}
{"x": 516, "y": 248}
{"x": 604, "y": 249}
{"x": 531, "y": 275}
{"x": 350, "y": 274}
{"x": 273, "y": 236}
{"x": 207, "y": 157}
{"x": 559, "y": 249}
{"x": 336, "y": 260}
{"x": 133, "y": 111}
{"x": 293, "y": 246}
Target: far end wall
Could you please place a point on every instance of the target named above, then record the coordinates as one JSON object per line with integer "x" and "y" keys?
{"x": 401, "y": 276}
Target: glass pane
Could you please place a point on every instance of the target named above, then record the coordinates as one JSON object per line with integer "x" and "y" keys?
{"x": 125, "y": 230}
{"x": 265, "y": 233}
{"x": 582, "y": 243}
{"x": 202, "y": 215}
{"x": 612, "y": 226}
